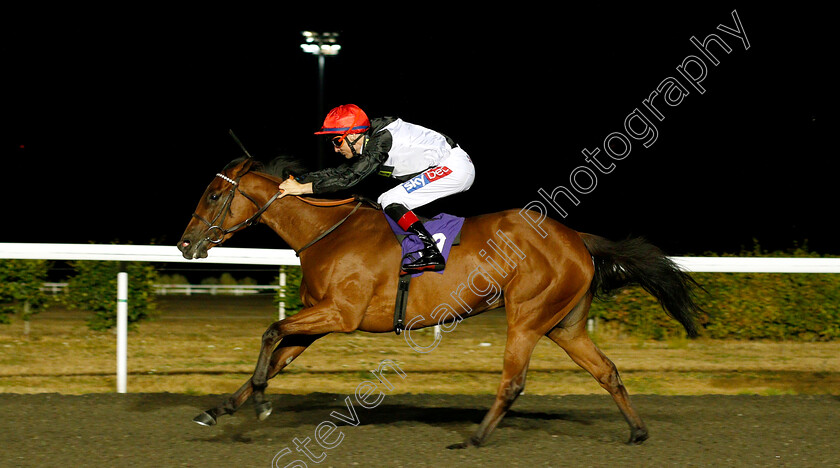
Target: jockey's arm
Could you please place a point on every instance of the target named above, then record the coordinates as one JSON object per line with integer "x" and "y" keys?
{"x": 333, "y": 179}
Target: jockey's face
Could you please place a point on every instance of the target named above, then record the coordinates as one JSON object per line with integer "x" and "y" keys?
{"x": 344, "y": 149}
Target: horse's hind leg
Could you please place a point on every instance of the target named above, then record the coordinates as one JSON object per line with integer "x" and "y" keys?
{"x": 289, "y": 349}
{"x": 570, "y": 334}
{"x": 520, "y": 344}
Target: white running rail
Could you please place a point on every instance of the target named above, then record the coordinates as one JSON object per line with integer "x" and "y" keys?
{"x": 242, "y": 256}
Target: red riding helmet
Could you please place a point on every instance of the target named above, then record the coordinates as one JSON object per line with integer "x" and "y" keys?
{"x": 345, "y": 119}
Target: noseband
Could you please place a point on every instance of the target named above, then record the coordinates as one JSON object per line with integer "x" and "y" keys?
{"x": 215, "y": 226}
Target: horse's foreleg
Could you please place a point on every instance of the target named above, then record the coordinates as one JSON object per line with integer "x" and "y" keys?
{"x": 577, "y": 344}
{"x": 321, "y": 319}
{"x": 518, "y": 349}
{"x": 290, "y": 348}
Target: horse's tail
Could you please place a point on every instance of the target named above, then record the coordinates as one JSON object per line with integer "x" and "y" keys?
{"x": 635, "y": 261}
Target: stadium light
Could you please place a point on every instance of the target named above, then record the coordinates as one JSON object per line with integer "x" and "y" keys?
{"x": 321, "y": 44}
{"x": 325, "y": 43}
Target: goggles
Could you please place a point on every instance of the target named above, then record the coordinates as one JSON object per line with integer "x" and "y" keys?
{"x": 337, "y": 141}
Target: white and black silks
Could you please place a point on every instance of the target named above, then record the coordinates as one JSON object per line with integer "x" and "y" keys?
{"x": 392, "y": 148}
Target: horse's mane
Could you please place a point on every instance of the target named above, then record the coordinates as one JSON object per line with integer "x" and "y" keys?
{"x": 281, "y": 166}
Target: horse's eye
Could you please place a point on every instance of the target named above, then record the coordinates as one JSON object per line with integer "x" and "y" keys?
{"x": 214, "y": 196}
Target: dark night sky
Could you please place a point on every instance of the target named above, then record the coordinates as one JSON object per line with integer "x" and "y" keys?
{"x": 124, "y": 120}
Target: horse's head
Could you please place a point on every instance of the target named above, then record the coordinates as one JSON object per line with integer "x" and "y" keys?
{"x": 221, "y": 211}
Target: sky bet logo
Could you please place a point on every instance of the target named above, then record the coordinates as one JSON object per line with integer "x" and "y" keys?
{"x": 427, "y": 177}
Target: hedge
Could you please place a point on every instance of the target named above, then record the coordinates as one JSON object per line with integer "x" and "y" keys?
{"x": 743, "y": 306}
{"x": 20, "y": 283}
{"x": 94, "y": 289}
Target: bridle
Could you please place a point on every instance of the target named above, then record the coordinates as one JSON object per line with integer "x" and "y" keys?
{"x": 216, "y": 224}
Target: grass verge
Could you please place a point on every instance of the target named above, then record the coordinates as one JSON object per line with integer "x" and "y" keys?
{"x": 210, "y": 349}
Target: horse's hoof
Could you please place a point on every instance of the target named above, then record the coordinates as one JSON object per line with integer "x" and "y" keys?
{"x": 471, "y": 442}
{"x": 637, "y": 437}
{"x": 205, "y": 419}
{"x": 263, "y": 410}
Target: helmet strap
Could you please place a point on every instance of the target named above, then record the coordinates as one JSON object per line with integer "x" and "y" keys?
{"x": 353, "y": 144}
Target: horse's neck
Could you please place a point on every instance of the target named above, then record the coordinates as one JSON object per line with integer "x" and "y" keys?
{"x": 295, "y": 221}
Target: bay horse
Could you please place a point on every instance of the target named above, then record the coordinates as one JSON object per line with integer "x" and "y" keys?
{"x": 350, "y": 280}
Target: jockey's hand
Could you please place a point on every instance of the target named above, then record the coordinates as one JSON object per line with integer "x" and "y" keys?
{"x": 292, "y": 187}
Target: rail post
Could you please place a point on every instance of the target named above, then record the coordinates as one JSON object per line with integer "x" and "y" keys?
{"x": 281, "y": 306}
{"x": 122, "y": 329}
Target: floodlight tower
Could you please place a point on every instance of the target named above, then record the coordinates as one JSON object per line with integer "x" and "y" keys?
{"x": 321, "y": 44}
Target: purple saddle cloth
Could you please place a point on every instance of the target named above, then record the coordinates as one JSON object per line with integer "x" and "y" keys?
{"x": 445, "y": 229}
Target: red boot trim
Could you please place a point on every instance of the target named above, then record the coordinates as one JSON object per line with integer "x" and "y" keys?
{"x": 407, "y": 220}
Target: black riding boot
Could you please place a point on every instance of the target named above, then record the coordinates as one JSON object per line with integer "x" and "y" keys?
{"x": 430, "y": 257}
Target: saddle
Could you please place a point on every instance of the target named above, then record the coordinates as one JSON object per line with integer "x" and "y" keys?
{"x": 446, "y": 230}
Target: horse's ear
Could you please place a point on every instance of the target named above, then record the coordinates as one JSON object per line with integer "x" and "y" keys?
{"x": 240, "y": 169}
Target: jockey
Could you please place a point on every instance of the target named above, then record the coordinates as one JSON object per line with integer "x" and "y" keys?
{"x": 430, "y": 166}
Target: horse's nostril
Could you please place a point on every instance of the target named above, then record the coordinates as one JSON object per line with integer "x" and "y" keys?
{"x": 185, "y": 243}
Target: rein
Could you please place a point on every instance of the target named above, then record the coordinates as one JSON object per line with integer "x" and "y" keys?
{"x": 328, "y": 231}
{"x": 326, "y": 202}
{"x": 216, "y": 224}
